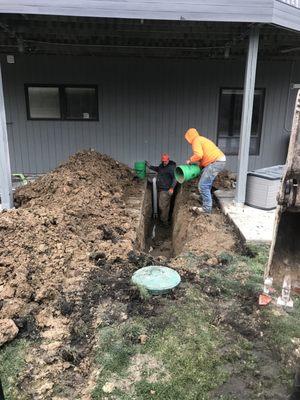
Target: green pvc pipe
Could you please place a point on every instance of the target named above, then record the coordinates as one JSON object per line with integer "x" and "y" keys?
{"x": 22, "y": 178}
{"x": 140, "y": 169}
{"x": 184, "y": 173}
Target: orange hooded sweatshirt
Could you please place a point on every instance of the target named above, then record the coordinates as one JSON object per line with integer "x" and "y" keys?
{"x": 205, "y": 151}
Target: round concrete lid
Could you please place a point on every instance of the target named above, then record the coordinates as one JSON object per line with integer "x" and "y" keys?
{"x": 156, "y": 279}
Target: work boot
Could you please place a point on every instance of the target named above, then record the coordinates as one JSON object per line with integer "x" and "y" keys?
{"x": 199, "y": 210}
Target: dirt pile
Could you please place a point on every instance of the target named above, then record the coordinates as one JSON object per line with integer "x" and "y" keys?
{"x": 205, "y": 234}
{"x": 68, "y": 223}
{"x": 225, "y": 180}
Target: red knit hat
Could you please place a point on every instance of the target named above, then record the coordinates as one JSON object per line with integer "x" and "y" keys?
{"x": 165, "y": 157}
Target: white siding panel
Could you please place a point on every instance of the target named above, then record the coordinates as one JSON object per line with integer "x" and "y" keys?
{"x": 202, "y": 10}
{"x": 263, "y": 11}
{"x": 286, "y": 15}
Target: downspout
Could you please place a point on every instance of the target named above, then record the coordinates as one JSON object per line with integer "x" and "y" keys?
{"x": 5, "y": 170}
{"x": 247, "y": 109}
{"x": 288, "y": 130}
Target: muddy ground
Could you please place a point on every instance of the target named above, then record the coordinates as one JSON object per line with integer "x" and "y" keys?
{"x": 67, "y": 255}
{"x": 200, "y": 234}
{"x": 68, "y": 225}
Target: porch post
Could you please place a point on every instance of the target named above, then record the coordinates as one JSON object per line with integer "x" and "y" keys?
{"x": 5, "y": 172}
{"x": 248, "y": 97}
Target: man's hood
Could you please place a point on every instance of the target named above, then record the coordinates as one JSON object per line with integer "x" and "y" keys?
{"x": 191, "y": 134}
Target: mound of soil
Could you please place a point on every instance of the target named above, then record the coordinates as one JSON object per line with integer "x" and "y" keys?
{"x": 68, "y": 223}
{"x": 204, "y": 234}
{"x": 225, "y": 180}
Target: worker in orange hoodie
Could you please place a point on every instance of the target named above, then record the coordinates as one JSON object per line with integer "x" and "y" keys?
{"x": 211, "y": 159}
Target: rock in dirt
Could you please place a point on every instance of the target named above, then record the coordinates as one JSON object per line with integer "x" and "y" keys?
{"x": 143, "y": 339}
{"x": 6, "y": 292}
{"x": 212, "y": 261}
{"x": 8, "y": 331}
{"x": 108, "y": 387}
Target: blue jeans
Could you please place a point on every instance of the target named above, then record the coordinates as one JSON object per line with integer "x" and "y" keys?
{"x": 205, "y": 183}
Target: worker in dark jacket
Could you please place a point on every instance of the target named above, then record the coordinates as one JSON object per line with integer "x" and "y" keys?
{"x": 166, "y": 183}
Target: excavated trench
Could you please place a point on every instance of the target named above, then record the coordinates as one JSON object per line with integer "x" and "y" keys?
{"x": 154, "y": 237}
{"x": 188, "y": 232}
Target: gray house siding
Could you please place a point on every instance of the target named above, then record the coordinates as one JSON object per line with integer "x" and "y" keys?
{"x": 145, "y": 106}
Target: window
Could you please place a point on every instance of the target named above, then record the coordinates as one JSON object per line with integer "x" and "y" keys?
{"x": 62, "y": 102}
{"x": 81, "y": 103}
{"x": 230, "y": 113}
{"x": 44, "y": 102}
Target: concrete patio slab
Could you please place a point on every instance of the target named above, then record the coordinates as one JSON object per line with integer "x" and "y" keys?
{"x": 255, "y": 226}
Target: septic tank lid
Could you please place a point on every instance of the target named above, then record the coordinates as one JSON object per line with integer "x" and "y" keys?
{"x": 156, "y": 279}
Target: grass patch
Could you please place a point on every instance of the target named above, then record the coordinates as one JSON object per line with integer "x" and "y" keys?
{"x": 241, "y": 274}
{"x": 282, "y": 330}
{"x": 190, "y": 363}
{"x": 117, "y": 345}
{"x": 188, "y": 350}
{"x": 114, "y": 353}
{"x": 203, "y": 339}
{"x": 143, "y": 292}
{"x": 12, "y": 363}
